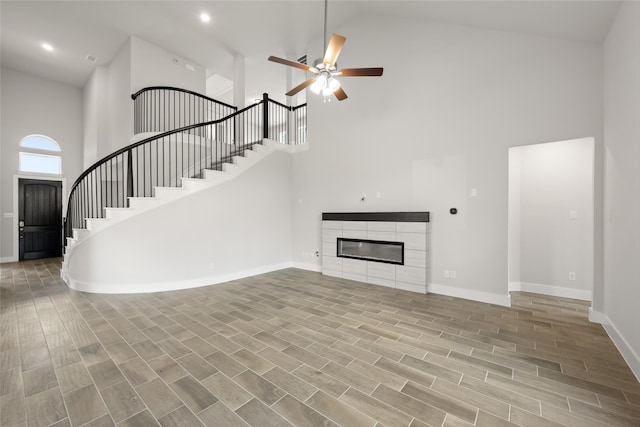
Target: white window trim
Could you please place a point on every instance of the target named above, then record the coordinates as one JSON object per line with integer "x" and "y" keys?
{"x": 21, "y": 170}
{"x": 58, "y": 150}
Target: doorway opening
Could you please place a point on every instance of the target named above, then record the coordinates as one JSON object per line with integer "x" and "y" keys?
{"x": 551, "y": 218}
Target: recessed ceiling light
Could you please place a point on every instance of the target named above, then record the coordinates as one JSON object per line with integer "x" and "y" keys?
{"x": 205, "y": 17}
{"x": 47, "y": 47}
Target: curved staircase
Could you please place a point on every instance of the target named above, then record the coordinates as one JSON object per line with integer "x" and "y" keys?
{"x": 142, "y": 177}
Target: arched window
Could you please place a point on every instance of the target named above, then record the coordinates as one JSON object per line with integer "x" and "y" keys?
{"x": 37, "y": 159}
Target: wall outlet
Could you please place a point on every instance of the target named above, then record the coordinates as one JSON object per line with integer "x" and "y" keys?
{"x": 453, "y": 274}
{"x": 378, "y": 195}
{"x": 446, "y": 274}
{"x": 317, "y": 253}
{"x": 573, "y": 214}
{"x": 572, "y": 275}
{"x": 212, "y": 266}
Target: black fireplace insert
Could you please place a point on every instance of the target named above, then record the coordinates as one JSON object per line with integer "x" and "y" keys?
{"x": 371, "y": 250}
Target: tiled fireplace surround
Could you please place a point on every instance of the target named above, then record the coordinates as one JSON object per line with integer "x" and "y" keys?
{"x": 411, "y": 228}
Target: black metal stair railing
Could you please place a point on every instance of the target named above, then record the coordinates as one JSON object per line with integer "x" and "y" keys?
{"x": 162, "y": 160}
{"x": 163, "y": 108}
{"x": 287, "y": 125}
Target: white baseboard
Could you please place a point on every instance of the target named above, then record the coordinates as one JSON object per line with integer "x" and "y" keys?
{"x": 515, "y": 286}
{"x": 480, "y": 296}
{"x": 597, "y": 316}
{"x": 555, "y": 291}
{"x": 628, "y": 353}
{"x": 307, "y": 266}
{"x": 136, "y": 288}
{"x": 7, "y": 259}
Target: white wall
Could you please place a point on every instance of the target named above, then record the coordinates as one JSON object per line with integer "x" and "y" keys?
{"x": 219, "y": 88}
{"x": 438, "y": 124}
{"x": 31, "y": 105}
{"x": 622, "y": 183}
{"x": 96, "y": 117}
{"x": 154, "y": 66}
{"x": 108, "y": 107}
{"x": 514, "y": 219}
{"x": 119, "y": 102}
{"x": 242, "y": 227}
{"x": 554, "y": 179}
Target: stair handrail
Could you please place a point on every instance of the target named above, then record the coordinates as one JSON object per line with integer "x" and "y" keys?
{"x": 162, "y": 108}
{"x": 149, "y": 139}
{"x": 129, "y": 148}
{"x": 177, "y": 89}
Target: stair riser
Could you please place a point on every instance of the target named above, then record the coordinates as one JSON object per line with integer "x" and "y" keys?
{"x": 118, "y": 213}
{"x": 142, "y": 203}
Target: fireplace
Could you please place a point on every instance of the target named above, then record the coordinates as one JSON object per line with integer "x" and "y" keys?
{"x": 381, "y": 248}
{"x": 371, "y": 250}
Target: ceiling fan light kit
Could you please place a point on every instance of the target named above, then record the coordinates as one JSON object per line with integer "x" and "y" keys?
{"x": 325, "y": 71}
{"x": 325, "y": 85}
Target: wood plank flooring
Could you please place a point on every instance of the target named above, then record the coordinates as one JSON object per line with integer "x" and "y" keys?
{"x": 297, "y": 348}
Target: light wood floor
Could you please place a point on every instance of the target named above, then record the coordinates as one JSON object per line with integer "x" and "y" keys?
{"x": 296, "y": 348}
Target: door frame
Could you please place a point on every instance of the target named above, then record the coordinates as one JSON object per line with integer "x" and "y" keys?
{"x": 560, "y": 291}
{"x": 16, "y": 207}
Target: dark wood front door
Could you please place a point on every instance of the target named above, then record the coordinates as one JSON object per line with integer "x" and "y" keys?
{"x": 40, "y": 219}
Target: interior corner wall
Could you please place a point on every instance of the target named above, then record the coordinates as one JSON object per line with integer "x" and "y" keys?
{"x": 154, "y": 66}
{"x": 108, "y": 107}
{"x": 32, "y": 105}
{"x": 119, "y": 103}
{"x": 556, "y": 179}
{"x": 438, "y": 124}
{"x": 95, "y": 117}
{"x": 622, "y": 183}
{"x": 514, "y": 220}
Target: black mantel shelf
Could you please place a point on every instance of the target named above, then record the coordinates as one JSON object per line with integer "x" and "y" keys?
{"x": 376, "y": 216}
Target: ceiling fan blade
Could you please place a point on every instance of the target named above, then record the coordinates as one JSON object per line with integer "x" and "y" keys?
{"x": 333, "y": 49}
{"x": 293, "y": 64}
{"x": 353, "y": 72}
{"x": 301, "y": 86}
{"x": 340, "y": 94}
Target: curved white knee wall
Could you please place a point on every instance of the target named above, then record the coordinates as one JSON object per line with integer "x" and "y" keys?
{"x": 236, "y": 229}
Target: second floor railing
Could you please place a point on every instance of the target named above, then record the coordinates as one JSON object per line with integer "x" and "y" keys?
{"x": 164, "y": 108}
{"x": 163, "y": 159}
{"x": 287, "y": 125}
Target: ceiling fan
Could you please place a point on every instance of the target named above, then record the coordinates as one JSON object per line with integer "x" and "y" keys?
{"x": 324, "y": 81}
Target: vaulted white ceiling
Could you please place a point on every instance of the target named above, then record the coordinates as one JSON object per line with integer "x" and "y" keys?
{"x": 254, "y": 29}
